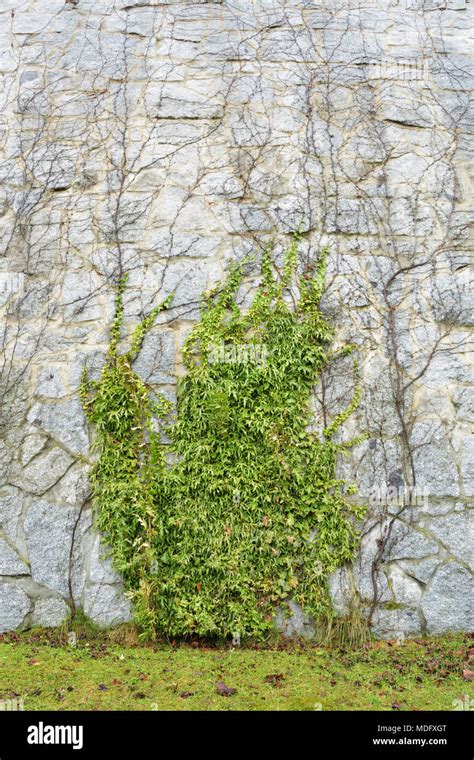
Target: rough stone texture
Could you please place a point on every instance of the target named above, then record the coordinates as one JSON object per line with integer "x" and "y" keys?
{"x": 456, "y": 533}
{"x": 467, "y": 465}
{"x": 105, "y": 604}
{"x": 447, "y": 604}
{"x": 422, "y": 570}
{"x": 342, "y": 590}
{"x": 10, "y": 513}
{"x": 49, "y": 531}
{"x": 10, "y": 562}
{"x": 406, "y": 591}
{"x": 168, "y": 139}
{"x": 100, "y": 568}
{"x": 390, "y": 624}
{"x": 363, "y": 579}
{"x": 32, "y": 445}
{"x": 64, "y": 422}
{"x": 296, "y": 623}
{"x": 43, "y": 472}
{"x": 73, "y": 488}
{"x": 156, "y": 361}
{"x": 49, "y": 612}
{"x": 411, "y": 543}
{"x": 14, "y": 605}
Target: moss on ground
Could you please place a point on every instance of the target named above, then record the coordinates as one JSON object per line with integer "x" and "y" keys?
{"x": 113, "y": 672}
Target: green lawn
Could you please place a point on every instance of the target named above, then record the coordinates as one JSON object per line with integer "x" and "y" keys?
{"x": 100, "y": 673}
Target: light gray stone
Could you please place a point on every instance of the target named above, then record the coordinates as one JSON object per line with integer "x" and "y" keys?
{"x": 294, "y": 622}
{"x": 341, "y": 588}
{"x": 221, "y": 184}
{"x": 463, "y": 399}
{"x": 53, "y": 164}
{"x": 64, "y": 421}
{"x": 14, "y": 606}
{"x": 49, "y": 612}
{"x": 409, "y": 543}
{"x": 74, "y": 488}
{"x": 106, "y": 604}
{"x": 422, "y": 569}
{"x": 49, "y": 532}
{"x": 43, "y": 471}
{"x": 100, "y": 564}
{"x": 97, "y": 52}
{"x": 167, "y": 139}
{"x": 433, "y": 461}
{"x": 400, "y": 103}
{"x": 11, "y": 504}
{"x": 156, "y": 361}
{"x": 27, "y": 22}
{"x": 390, "y": 624}
{"x": 452, "y": 364}
{"x": 123, "y": 4}
{"x": 451, "y": 298}
{"x": 453, "y": 74}
{"x": 467, "y": 465}
{"x": 352, "y": 217}
{"x": 242, "y": 217}
{"x": 141, "y": 21}
{"x": 80, "y": 297}
{"x": 10, "y": 562}
{"x": 456, "y": 533}
{"x": 93, "y": 361}
{"x": 447, "y": 604}
{"x": 50, "y": 383}
{"x": 363, "y": 576}
{"x": 406, "y": 590}
{"x": 32, "y": 445}
{"x": 187, "y": 282}
{"x": 177, "y": 101}
{"x": 183, "y": 244}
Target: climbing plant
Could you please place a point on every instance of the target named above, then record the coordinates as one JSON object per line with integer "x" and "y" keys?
{"x": 248, "y": 512}
{"x": 121, "y": 408}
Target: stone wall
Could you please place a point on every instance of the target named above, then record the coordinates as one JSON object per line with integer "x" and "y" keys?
{"x": 168, "y": 138}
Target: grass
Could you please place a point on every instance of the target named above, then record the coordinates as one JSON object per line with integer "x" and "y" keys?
{"x": 111, "y": 671}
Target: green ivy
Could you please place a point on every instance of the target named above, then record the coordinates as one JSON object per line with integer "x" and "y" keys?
{"x": 249, "y": 513}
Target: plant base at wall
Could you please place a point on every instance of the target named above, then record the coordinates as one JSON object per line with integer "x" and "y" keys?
{"x": 250, "y": 513}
